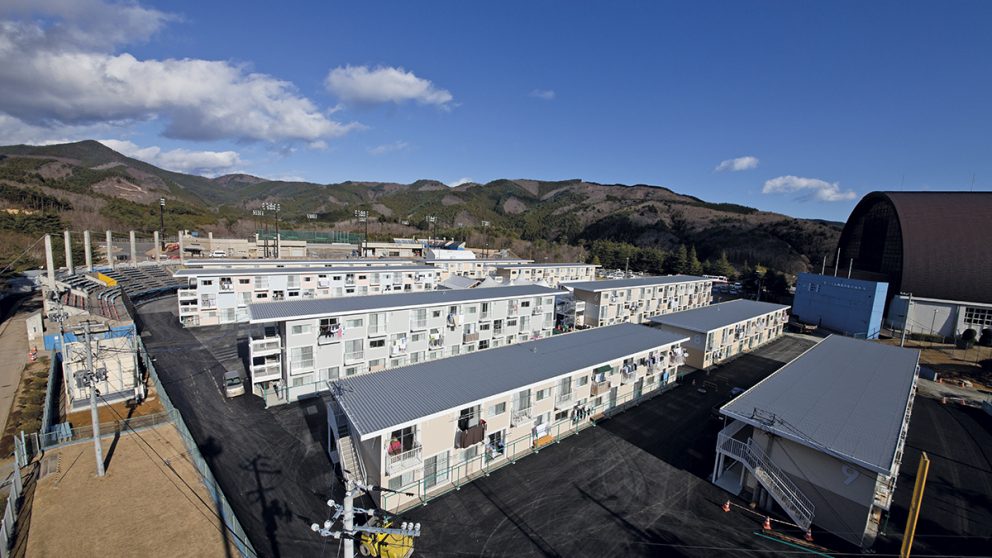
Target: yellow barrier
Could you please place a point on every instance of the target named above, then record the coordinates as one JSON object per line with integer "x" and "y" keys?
{"x": 109, "y": 281}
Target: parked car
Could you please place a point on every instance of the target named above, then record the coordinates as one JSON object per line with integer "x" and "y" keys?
{"x": 234, "y": 385}
{"x": 218, "y": 254}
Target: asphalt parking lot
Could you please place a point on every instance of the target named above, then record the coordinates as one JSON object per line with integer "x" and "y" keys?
{"x": 272, "y": 464}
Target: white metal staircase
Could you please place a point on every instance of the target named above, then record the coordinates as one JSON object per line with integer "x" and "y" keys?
{"x": 783, "y": 490}
{"x": 351, "y": 463}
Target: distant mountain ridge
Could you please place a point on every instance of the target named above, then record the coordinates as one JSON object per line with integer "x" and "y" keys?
{"x": 106, "y": 189}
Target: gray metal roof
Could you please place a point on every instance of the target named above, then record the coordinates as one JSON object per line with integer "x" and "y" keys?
{"x": 217, "y": 271}
{"x": 719, "y": 315}
{"x": 477, "y": 260}
{"x": 608, "y": 284}
{"x": 521, "y": 265}
{"x": 300, "y": 309}
{"x": 381, "y": 400}
{"x": 846, "y": 397}
{"x": 458, "y": 282}
{"x": 210, "y": 262}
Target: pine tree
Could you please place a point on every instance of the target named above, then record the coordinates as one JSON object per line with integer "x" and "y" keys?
{"x": 679, "y": 261}
{"x": 694, "y": 266}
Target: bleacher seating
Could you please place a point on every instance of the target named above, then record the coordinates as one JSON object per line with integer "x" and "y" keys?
{"x": 87, "y": 292}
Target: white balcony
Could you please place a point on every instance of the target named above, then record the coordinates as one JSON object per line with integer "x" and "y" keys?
{"x": 563, "y": 400}
{"x": 265, "y": 346}
{"x": 266, "y": 372}
{"x": 186, "y": 294}
{"x": 402, "y": 461}
{"x": 353, "y": 357}
{"x": 520, "y": 416}
{"x": 187, "y": 309}
{"x": 470, "y": 337}
{"x": 418, "y": 324}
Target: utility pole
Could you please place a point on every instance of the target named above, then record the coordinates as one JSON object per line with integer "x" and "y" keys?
{"x": 363, "y": 217}
{"x": 272, "y": 207}
{"x": 346, "y": 513}
{"x": 905, "y": 321}
{"x": 312, "y": 217}
{"x": 914, "y": 505}
{"x": 485, "y": 227}
{"x": 161, "y": 220}
{"x": 259, "y": 213}
{"x": 90, "y": 378}
{"x": 431, "y": 221}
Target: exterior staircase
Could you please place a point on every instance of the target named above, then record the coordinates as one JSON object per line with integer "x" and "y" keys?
{"x": 783, "y": 490}
{"x": 352, "y": 467}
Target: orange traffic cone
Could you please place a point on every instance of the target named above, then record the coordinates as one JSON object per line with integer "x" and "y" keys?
{"x": 767, "y": 525}
{"x": 726, "y": 506}
{"x": 808, "y": 536}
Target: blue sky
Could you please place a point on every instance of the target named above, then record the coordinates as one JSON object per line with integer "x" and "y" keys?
{"x": 803, "y": 106}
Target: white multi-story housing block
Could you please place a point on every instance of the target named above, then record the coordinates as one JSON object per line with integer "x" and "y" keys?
{"x": 721, "y": 331}
{"x": 616, "y": 301}
{"x": 222, "y": 295}
{"x": 471, "y": 267}
{"x": 551, "y": 274}
{"x": 295, "y": 263}
{"x": 297, "y": 347}
{"x": 425, "y": 429}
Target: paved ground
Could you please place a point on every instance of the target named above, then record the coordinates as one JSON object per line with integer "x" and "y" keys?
{"x": 956, "y": 517}
{"x": 271, "y": 463}
{"x": 633, "y": 486}
{"x": 142, "y": 507}
{"x": 13, "y": 355}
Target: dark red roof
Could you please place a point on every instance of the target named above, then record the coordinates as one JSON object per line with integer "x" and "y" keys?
{"x": 946, "y": 242}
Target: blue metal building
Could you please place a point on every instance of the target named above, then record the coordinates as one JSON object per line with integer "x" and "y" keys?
{"x": 848, "y": 306}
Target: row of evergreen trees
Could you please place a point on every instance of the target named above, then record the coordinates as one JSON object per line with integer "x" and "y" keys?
{"x": 621, "y": 255}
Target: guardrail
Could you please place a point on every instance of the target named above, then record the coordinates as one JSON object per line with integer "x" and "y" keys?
{"x": 51, "y": 396}
{"x": 8, "y": 526}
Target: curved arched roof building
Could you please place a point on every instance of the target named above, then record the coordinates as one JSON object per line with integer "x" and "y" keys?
{"x": 932, "y": 244}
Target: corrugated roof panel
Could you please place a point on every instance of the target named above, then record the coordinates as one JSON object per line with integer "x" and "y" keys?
{"x": 845, "y": 396}
{"x": 718, "y": 315}
{"x": 608, "y": 284}
{"x": 298, "y": 309}
{"x": 381, "y": 400}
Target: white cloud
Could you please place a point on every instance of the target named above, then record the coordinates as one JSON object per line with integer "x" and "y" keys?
{"x": 388, "y": 148}
{"x": 461, "y": 181}
{"x": 543, "y": 94}
{"x": 179, "y": 160}
{"x": 383, "y": 84}
{"x": 738, "y": 164}
{"x": 814, "y": 188}
{"x": 59, "y": 68}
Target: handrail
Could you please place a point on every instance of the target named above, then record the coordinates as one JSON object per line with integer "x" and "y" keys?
{"x": 790, "y": 496}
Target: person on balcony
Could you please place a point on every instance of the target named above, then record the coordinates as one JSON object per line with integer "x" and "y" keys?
{"x": 395, "y": 447}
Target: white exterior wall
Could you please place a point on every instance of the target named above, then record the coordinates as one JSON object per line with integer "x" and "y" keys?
{"x": 554, "y": 416}
{"x": 638, "y": 304}
{"x": 947, "y": 318}
{"x": 212, "y": 300}
{"x": 475, "y": 269}
{"x": 400, "y": 341}
{"x": 709, "y": 348}
{"x": 552, "y": 275}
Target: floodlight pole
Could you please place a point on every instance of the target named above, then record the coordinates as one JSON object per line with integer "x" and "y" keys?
{"x": 94, "y": 416}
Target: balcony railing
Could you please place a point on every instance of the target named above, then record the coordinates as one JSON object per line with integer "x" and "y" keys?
{"x": 264, "y": 372}
{"x": 519, "y": 416}
{"x": 435, "y": 343}
{"x": 564, "y": 399}
{"x": 599, "y": 388}
{"x": 354, "y": 356}
{"x": 396, "y": 349}
{"x": 404, "y": 460}
{"x": 536, "y": 311}
{"x": 187, "y": 309}
{"x": 187, "y": 294}
{"x": 418, "y": 324}
{"x": 470, "y": 337}
{"x": 262, "y": 345}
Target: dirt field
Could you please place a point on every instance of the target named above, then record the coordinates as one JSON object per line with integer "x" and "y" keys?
{"x": 149, "y": 406}
{"x": 951, "y": 362}
{"x": 140, "y": 508}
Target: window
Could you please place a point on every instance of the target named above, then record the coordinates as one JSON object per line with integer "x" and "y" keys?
{"x": 418, "y": 319}
{"x": 455, "y": 350}
{"x": 353, "y": 349}
{"x": 206, "y": 282}
{"x": 377, "y": 364}
{"x": 332, "y": 373}
{"x": 581, "y": 380}
{"x": 354, "y": 322}
{"x": 300, "y": 381}
{"x": 435, "y": 313}
{"x": 261, "y": 282}
{"x": 402, "y": 440}
{"x": 469, "y": 417}
{"x": 978, "y": 317}
{"x": 351, "y": 371}
{"x": 521, "y": 401}
{"x": 484, "y": 344}
{"x": 398, "y": 482}
{"x": 471, "y": 452}
{"x": 542, "y": 394}
{"x": 300, "y": 359}
{"x": 377, "y": 343}
{"x": 435, "y": 470}
{"x": 563, "y": 415}
{"x": 497, "y": 409}
{"x": 243, "y": 281}
{"x": 300, "y": 329}
{"x": 485, "y": 326}
{"x": 416, "y": 337}
{"x": 329, "y": 327}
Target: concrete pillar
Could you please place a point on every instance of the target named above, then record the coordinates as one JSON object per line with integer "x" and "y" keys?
{"x": 67, "y": 237}
{"x": 278, "y": 246}
{"x": 134, "y": 250}
{"x": 158, "y": 247}
{"x": 182, "y": 257}
{"x": 110, "y": 249}
{"x": 50, "y": 260}
{"x": 210, "y": 241}
{"x": 87, "y": 251}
